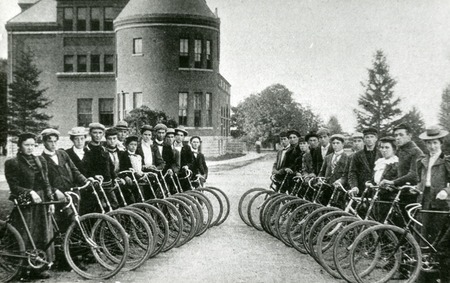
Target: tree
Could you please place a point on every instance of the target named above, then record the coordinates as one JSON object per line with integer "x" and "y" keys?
{"x": 146, "y": 116}
{"x": 334, "y": 126}
{"x": 444, "y": 116}
{"x": 415, "y": 120}
{"x": 3, "y": 104}
{"x": 271, "y": 111}
{"x": 26, "y": 100}
{"x": 378, "y": 107}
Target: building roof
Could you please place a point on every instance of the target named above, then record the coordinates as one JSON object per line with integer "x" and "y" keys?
{"x": 143, "y": 8}
{"x": 43, "y": 11}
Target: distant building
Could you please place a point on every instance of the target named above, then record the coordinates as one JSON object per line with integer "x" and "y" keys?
{"x": 101, "y": 59}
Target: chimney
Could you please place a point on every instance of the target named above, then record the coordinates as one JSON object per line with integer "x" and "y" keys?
{"x": 217, "y": 12}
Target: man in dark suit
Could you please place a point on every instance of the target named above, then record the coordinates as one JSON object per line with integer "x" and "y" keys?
{"x": 164, "y": 149}
{"x": 363, "y": 162}
{"x": 307, "y": 168}
{"x": 333, "y": 167}
{"x": 185, "y": 158}
{"x": 199, "y": 167}
{"x": 323, "y": 150}
{"x": 77, "y": 151}
{"x": 292, "y": 159}
{"x": 279, "y": 166}
{"x": 151, "y": 157}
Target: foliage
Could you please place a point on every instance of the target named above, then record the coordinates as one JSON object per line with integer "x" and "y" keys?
{"x": 334, "y": 126}
{"x": 3, "y": 102}
{"x": 415, "y": 120}
{"x": 146, "y": 116}
{"x": 377, "y": 106}
{"x": 26, "y": 99}
{"x": 269, "y": 112}
{"x": 444, "y": 116}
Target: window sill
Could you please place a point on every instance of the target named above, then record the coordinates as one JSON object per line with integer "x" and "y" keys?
{"x": 137, "y": 55}
{"x": 199, "y": 128}
{"x": 89, "y": 32}
{"x": 195, "y": 69}
{"x": 85, "y": 74}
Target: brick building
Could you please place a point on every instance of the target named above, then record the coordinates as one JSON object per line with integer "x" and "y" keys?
{"x": 101, "y": 59}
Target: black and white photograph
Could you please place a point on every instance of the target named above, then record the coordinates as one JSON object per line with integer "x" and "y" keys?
{"x": 225, "y": 141}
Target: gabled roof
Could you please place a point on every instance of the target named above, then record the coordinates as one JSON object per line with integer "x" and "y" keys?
{"x": 43, "y": 11}
{"x": 140, "y": 8}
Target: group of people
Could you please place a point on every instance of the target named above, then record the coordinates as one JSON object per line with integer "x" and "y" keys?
{"x": 385, "y": 162}
{"x": 45, "y": 177}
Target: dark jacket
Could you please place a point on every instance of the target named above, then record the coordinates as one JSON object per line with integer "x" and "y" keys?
{"x": 292, "y": 154}
{"x": 318, "y": 159}
{"x": 21, "y": 177}
{"x": 184, "y": 157}
{"x": 97, "y": 162}
{"x": 440, "y": 176}
{"x": 65, "y": 175}
{"x": 124, "y": 161}
{"x": 360, "y": 170}
{"x": 158, "y": 161}
{"x": 76, "y": 160}
{"x": 307, "y": 163}
{"x": 199, "y": 165}
{"x": 408, "y": 154}
{"x": 339, "y": 170}
{"x": 280, "y": 164}
{"x": 168, "y": 157}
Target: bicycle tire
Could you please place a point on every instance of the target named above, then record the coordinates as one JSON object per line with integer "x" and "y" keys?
{"x": 272, "y": 212}
{"x": 11, "y": 243}
{"x": 216, "y": 203}
{"x": 194, "y": 205}
{"x": 281, "y": 219}
{"x": 226, "y": 204}
{"x": 188, "y": 218}
{"x": 253, "y": 208}
{"x": 267, "y": 203}
{"x": 243, "y": 204}
{"x": 206, "y": 210}
{"x": 78, "y": 250}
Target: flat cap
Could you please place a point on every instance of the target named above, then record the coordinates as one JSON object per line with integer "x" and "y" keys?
{"x": 146, "y": 128}
{"x": 323, "y": 131}
{"x": 96, "y": 126}
{"x": 390, "y": 139}
{"x": 131, "y": 138}
{"x": 402, "y": 126}
{"x": 370, "y": 131}
{"x": 170, "y": 131}
{"x": 111, "y": 132}
{"x": 338, "y": 137}
{"x": 357, "y": 135}
{"x": 121, "y": 125}
{"x": 160, "y": 127}
{"x": 50, "y": 132}
{"x": 77, "y": 131}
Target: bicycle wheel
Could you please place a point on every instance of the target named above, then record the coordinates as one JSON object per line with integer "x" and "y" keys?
{"x": 151, "y": 223}
{"x": 341, "y": 250}
{"x": 326, "y": 240}
{"x": 216, "y": 203}
{"x": 12, "y": 252}
{"x": 281, "y": 219}
{"x": 244, "y": 202}
{"x": 206, "y": 210}
{"x": 225, "y": 202}
{"x": 188, "y": 219}
{"x": 88, "y": 243}
{"x": 140, "y": 237}
{"x": 309, "y": 222}
{"x": 272, "y": 211}
{"x": 295, "y": 223}
{"x": 254, "y": 207}
{"x": 194, "y": 206}
{"x": 268, "y": 203}
{"x": 162, "y": 235}
{"x": 174, "y": 220}
{"x": 394, "y": 252}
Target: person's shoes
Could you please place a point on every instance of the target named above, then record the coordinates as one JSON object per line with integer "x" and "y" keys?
{"x": 39, "y": 274}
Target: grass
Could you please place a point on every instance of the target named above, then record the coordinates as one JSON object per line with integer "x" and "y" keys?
{"x": 225, "y": 156}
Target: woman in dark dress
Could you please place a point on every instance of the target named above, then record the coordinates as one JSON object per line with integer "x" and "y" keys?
{"x": 27, "y": 177}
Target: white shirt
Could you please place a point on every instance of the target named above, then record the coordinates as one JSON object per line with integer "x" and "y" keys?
{"x": 324, "y": 150}
{"x": 433, "y": 159}
{"x": 136, "y": 162}
{"x": 380, "y": 166}
{"x": 178, "y": 146}
{"x": 147, "y": 150}
{"x": 335, "y": 159}
{"x": 79, "y": 152}
{"x": 160, "y": 148}
{"x": 283, "y": 155}
{"x": 52, "y": 155}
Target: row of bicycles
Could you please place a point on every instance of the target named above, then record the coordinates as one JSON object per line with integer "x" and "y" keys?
{"x": 371, "y": 238}
{"x": 153, "y": 216}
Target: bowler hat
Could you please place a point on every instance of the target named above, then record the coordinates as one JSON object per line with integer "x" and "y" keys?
{"x": 131, "y": 138}
{"x": 160, "y": 127}
{"x": 338, "y": 137}
{"x": 370, "y": 131}
{"x": 110, "y": 132}
{"x": 170, "y": 131}
{"x": 432, "y": 133}
{"x": 293, "y": 132}
{"x": 323, "y": 131}
{"x": 121, "y": 125}
{"x": 50, "y": 132}
{"x": 311, "y": 134}
{"x": 146, "y": 128}
{"x": 357, "y": 135}
{"x": 77, "y": 131}
{"x": 96, "y": 126}
{"x": 182, "y": 130}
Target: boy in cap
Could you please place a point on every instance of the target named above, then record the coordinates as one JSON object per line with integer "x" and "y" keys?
{"x": 151, "y": 158}
{"x": 185, "y": 158}
{"x": 323, "y": 150}
{"x": 278, "y": 168}
{"x": 112, "y": 147}
{"x": 77, "y": 151}
{"x": 164, "y": 149}
{"x": 334, "y": 165}
{"x": 307, "y": 168}
{"x": 122, "y": 133}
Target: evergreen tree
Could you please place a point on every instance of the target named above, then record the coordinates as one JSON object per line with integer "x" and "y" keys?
{"x": 26, "y": 100}
{"x": 3, "y": 105}
{"x": 334, "y": 126}
{"x": 378, "y": 107}
{"x": 415, "y": 121}
{"x": 444, "y": 114}
{"x": 145, "y": 116}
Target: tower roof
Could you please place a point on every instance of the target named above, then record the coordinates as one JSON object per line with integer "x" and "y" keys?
{"x": 166, "y": 8}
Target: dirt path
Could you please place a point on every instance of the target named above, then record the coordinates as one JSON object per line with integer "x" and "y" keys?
{"x": 232, "y": 252}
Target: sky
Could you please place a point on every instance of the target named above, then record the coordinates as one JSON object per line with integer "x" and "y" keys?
{"x": 321, "y": 50}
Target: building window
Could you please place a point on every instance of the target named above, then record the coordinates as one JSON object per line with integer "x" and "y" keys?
{"x": 106, "y": 111}
{"x": 68, "y": 19}
{"x": 81, "y": 19}
{"x": 68, "y": 63}
{"x": 184, "y": 53}
{"x": 109, "y": 17}
{"x": 95, "y": 19}
{"x": 95, "y": 63}
{"x": 137, "y": 99}
{"x": 182, "y": 108}
{"x": 208, "y": 107}
{"x": 208, "y": 55}
{"x": 137, "y": 46}
{"x": 84, "y": 110}
{"x": 198, "y": 109}
{"x": 81, "y": 63}
{"x": 198, "y": 53}
{"x": 109, "y": 63}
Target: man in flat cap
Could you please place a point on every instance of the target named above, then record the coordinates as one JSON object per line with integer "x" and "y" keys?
{"x": 77, "y": 151}
{"x": 292, "y": 155}
{"x": 112, "y": 147}
{"x": 278, "y": 168}
{"x": 363, "y": 162}
{"x": 184, "y": 156}
{"x": 122, "y": 133}
{"x": 164, "y": 149}
{"x": 323, "y": 150}
{"x": 357, "y": 139}
{"x": 307, "y": 168}
{"x": 151, "y": 157}
{"x": 334, "y": 165}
